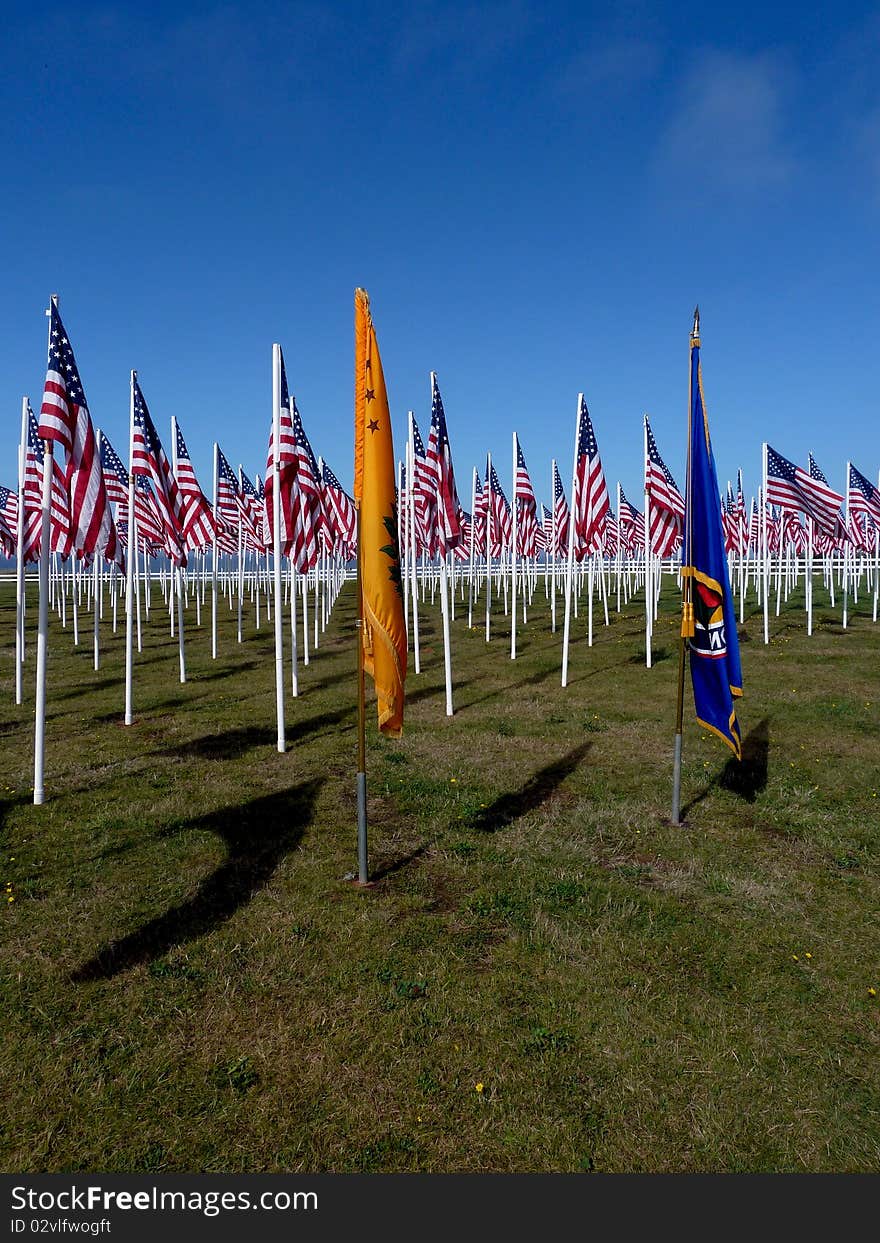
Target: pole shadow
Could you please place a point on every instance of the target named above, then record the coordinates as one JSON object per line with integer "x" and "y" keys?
{"x": 747, "y": 777}
{"x": 258, "y": 835}
{"x": 539, "y": 787}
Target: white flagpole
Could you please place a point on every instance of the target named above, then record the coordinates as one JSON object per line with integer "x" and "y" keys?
{"x": 413, "y": 560}
{"x": 513, "y": 557}
{"x": 649, "y": 569}
{"x": 765, "y": 557}
{"x": 555, "y": 540}
{"x": 19, "y": 567}
{"x": 403, "y": 537}
{"x": 876, "y": 556}
{"x": 294, "y": 682}
{"x": 96, "y": 583}
{"x": 214, "y": 561}
{"x": 846, "y": 555}
{"x": 473, "y": 539}
{"x": 177, "y": 570}
{"x": 488, "y": 541}
{"x": 305, "y": 591}
{"x": 43, "y": 618}
{"x": 447, "y": 654}
{"x": 130, "y": 561}
{"x": 572, "y": 516}
{"x": 276, "y": 545}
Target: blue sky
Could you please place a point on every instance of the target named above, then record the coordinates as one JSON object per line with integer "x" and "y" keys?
{"x": 534, "y": 195}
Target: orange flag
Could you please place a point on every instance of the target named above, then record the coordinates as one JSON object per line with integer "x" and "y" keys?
{"x": 384, "y": 632}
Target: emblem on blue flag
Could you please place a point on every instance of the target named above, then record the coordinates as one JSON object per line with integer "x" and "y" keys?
{"x": 709, "y": 621}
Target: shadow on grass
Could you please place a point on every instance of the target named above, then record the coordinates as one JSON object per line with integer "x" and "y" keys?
{"x": 657, "y": 654}
{"x": 395, "y": 865}
{"x": 746, "y": 777}
{"x": 537, "y": 790}
{"x": 258, "y": 835}
{"x": 232, "y": 743}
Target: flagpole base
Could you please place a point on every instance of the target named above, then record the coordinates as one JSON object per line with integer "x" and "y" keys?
{"x": 363, "y": 875}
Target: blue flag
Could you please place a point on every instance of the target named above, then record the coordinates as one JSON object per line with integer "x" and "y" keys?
{"x": 709, "y": 622}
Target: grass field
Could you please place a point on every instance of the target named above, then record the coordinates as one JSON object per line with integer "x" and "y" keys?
{"x": 546, "y": 975}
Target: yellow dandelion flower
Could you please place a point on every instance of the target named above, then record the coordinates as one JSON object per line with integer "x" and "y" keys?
{"x": 872, "y": 992}
{"x": 795, "y": 957}
{"x": 478, "y": 1087}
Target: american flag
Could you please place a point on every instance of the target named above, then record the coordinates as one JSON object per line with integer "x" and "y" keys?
{"x": 667, "y": 503}
{"x": 198, "y": 521}
{"x": 146, "y": 512}
{"x": 728, "y": 521}
{"x": 821, "y": 484}
{"x": 341, "y": 510}
{"x": 9, "y": 507}
{"x": 863, "y": 497}
{"x": 148, "y": 460}
{"x": 794, "y": 533}
{"x": 8, "y": 538}
{"x": 526, "y": 507}
{"x": 307, "y": 511}
{"x": 741, "y": 520}
{"x": 560, "y": 509}
{"x": 286, "y": 471}
{"x": 631, "y": 524}
{"x": 477, "y": 531}
{"x": 8, "y": 520}
{"x": 590, "y": 502}
{"x": 546, "y": 527}
{"x": 59, "y": 531}
{"x": 229, "y": 508}
{"x": 501, "y": 528}
{"x": 65, "y": 418}
{"x": 422, "y": 494}
{"x": 439, "y": 468}
{"x": 795, "y": 488}
{"x": 612, "y": 535}
{"x": 253, "y": 512}
{"x": 115, "y": 474}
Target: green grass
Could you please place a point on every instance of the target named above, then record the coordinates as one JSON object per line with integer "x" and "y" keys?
{"x": 189, "y": 984}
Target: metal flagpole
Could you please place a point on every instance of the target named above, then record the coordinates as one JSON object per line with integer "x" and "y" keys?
{"x": 178, "y": 570}
{"x": 293, "y": 624}
{"x": 555, "y": 541}
{"x": 276, "y": 544}
{"x": 649, "y": 572}
{"x": 412, "y": 558}
{"x": 765, "y": 567}
{"x": 846, "y": 555}
{"x": 96, "y": 583}
{"x": 130, "y": 561}
{"x": 363, "y": 874}
{"x": 488, "y": 541}
{"x": 473, "y": 538}
{"x": 572, "y": 519}
{"x": 216, "y": 521}
{"x": 687, "y": 607}
{"x": 515, "y": 525}
{"x": 19, "y": 566}
{"x": 43, "y": 615}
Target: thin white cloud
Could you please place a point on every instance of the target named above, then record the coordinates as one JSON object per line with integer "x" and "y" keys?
{"x": 610, "y": 69}
{"x": 729, "y": 127}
